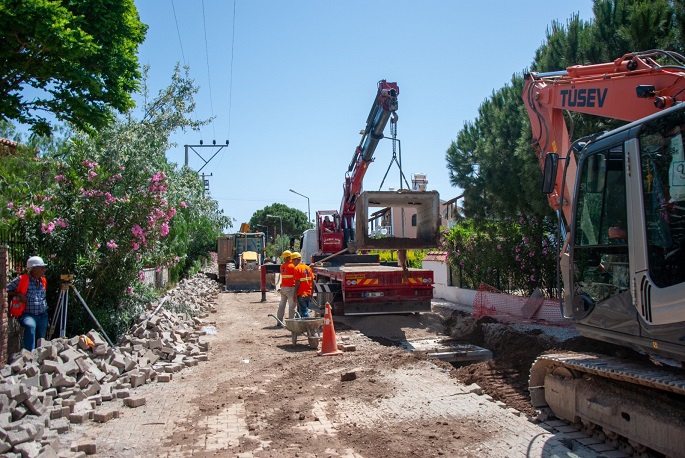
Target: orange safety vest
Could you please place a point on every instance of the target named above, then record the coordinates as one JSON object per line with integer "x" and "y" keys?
{"x": 17, "y": 307}
{"x": 304, "y": 274}
{"x": 287, "y": 274}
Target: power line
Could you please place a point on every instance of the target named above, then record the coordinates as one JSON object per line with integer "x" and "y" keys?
{"x": 230, "y": 81}
{"x": 178, "y": 31}
{"x": 209, "y": 76}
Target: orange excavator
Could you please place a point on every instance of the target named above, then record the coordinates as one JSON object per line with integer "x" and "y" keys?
{"x": 620, "y": 198}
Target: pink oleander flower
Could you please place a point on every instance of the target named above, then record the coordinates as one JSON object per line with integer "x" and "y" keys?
{"x": 141, "y": 275}
{"x": 499, "y": 247}
{"x": 525, "y": 239}
{"x": 21, "y": 213}
{"x": 91, "y": 175}
{"x": 183, "y": 204}
{"x": 171, "y": 213}
{"x": 37, "y": 209}
{"x": 47, "y": 228}
{"x": 136, "y": 246}
{"x": 111, "y": 245}
{"x": 532, "y": 278}
{"x": 138, "y": 231}
{"x": 10, "y": 205}
{"x": 129, "y": 290}
{"x": 164, "y": 229}
{"x": 59, "y": 178}
{"x": 53, "y": 256}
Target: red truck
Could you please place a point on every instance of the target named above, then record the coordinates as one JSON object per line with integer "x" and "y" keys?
{"x": 355, "y": 283}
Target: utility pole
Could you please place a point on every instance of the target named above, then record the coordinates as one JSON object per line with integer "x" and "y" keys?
{"x": 218, "y": 148}
{"x": 205, "y": 184}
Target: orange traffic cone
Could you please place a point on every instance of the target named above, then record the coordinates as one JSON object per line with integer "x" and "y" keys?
{"x": 329, "y": 346}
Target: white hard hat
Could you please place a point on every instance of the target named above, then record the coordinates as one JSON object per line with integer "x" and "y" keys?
{"x": 34, "y": 261}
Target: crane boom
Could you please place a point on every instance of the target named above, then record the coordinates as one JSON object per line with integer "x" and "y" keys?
{"x": 384, "y": 106}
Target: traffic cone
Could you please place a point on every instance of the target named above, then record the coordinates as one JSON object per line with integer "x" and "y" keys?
{"x": 329, "y": 346}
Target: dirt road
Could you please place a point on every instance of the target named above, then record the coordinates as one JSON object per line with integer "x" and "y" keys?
{"x": 260, "y": 396}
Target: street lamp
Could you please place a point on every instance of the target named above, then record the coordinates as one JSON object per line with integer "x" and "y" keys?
{"x": 266, "y": 231}
{"x": 280, "y": 218}
{"x": 309, "y": 215}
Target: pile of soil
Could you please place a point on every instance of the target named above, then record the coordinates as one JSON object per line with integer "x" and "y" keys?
{"x": 514, "y": 350}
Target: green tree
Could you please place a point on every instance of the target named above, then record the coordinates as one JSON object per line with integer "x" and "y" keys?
{"x": 294, "y": 221}
{"x": 105, "y": 206}
{"x": 77, "y": 58}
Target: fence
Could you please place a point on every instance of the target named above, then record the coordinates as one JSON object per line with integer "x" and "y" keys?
{"x": 508, "y": 308}
{"x": 17, "y": 249}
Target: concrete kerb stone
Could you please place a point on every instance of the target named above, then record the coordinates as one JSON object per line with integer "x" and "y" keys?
{"x": 65, "y": 380}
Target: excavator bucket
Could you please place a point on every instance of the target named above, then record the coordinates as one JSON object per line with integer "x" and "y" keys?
{"x": 378, "y": 214}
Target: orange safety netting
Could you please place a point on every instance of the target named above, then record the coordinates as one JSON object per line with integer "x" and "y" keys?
{"x": 507, "y": 308}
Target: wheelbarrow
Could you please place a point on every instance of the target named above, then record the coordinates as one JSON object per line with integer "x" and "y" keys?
{"x": 308, "y": 326}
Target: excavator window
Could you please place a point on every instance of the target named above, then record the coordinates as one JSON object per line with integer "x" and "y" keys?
{"x": 663, "y": 186}
{"x": 600, "y": 253}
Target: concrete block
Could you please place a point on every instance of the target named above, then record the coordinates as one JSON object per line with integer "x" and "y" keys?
{"x": 134, "y": 401}
{"x": 121, "y": 394}
{"x": 70, "y": 354}
{"x": 60, "y": 425}
{"x": 137, "y": 379}
{"x": 34, "y": 406}
{"x": 103, "y": 416}
{"x": 17, "y": 437}
{"x": 48, "y": 451}
{"x": 68, "y": 368}
{"x": 30, "y": 369}
{"x": 63, "y": 381}
{"x": 80, "y": 417}
{"x": 163, "y": 378}
{"x": 92, "y": 389}
{"x": 46, "y": 381}
{"x": 28, "y": 449}
{"x": 84, "y": 445}
{"x": 56, "y": 412}
{"x": 19, "y": 412}
{"x": 49, "y": 366}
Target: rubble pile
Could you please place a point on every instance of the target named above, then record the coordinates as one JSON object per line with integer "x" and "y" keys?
{"x": 71, "y": 380}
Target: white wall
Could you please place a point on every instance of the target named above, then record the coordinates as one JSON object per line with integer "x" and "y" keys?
{"x": 441, "y": 288}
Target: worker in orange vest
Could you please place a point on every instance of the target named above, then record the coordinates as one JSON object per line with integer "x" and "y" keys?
{"x": 28, "y": 303}
{"x": 287, "y": 288}
{"x": 304, "y": 281}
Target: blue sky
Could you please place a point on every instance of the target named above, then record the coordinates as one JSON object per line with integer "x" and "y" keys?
{"x": 292, "y": 85}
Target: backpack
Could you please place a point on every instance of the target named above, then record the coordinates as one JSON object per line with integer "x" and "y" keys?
{"x": 17, "y": 307}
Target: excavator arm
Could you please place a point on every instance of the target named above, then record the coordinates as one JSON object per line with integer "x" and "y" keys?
{"x": 630, "y": 88}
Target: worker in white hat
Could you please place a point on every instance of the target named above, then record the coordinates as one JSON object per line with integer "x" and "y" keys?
{"x": 28, "y": 303}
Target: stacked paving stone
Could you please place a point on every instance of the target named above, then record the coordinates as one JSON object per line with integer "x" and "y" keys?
{"x": 66, "y": 381}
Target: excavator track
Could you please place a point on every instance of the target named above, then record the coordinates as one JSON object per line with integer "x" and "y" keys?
{"x": 642, "y": 404}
